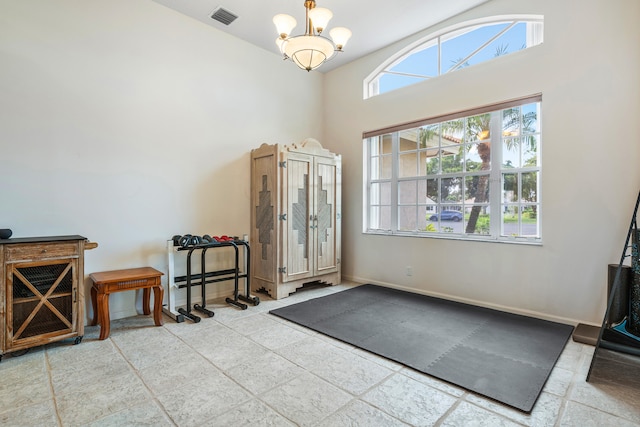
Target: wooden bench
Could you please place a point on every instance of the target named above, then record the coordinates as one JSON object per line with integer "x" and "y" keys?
{"x": 108, "y": 282}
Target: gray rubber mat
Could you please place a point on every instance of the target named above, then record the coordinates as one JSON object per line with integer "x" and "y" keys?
{"x": 503, "y": 356}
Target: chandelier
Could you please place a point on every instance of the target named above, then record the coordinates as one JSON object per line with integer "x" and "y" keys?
{"x": 310, "y": 50}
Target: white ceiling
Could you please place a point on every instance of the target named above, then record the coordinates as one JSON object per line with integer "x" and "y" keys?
{"x": 374, "y": 23}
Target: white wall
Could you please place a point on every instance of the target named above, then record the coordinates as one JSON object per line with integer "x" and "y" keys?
{"x": 126, "y": 122}
{"x": 587, "y": 72}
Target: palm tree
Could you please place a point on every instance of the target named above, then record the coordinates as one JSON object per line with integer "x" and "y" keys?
{"x": 477, "y": 129}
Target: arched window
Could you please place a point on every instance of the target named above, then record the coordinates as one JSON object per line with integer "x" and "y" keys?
{"x": 453, "y": 48}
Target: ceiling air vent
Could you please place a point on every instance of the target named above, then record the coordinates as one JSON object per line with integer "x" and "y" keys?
{"x": 224, "y": 16}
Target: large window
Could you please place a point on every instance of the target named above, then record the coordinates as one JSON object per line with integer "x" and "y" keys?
{"x": 457, "y": 47}
{"x": 474, "y": 174}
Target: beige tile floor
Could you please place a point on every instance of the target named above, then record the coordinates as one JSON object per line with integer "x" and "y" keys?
{"x": 249, "y": 368}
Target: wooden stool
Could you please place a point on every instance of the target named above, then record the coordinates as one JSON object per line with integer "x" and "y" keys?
{"x": 108, "y": 282}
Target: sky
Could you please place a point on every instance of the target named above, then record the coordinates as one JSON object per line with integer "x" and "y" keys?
{"x": 453, "y": 49}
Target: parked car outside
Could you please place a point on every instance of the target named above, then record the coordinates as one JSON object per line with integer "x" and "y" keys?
{"x": 447, "y": 216}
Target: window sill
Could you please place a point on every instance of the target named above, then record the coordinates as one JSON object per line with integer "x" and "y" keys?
{"x": 444, "y": 236}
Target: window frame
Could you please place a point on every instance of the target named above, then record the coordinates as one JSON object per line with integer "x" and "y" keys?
{"x": 496, "y": 175}
{"x": 371, "y": 87}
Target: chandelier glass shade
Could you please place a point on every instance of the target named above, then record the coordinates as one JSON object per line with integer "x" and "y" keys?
{"x": 310, "y": 50}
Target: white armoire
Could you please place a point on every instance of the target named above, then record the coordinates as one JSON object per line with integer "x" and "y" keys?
{"x": 295, "y": 217}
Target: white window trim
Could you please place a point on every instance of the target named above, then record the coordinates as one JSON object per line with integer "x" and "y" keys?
{"x": 495, "y": 179}
{"x": 370, "y": 87}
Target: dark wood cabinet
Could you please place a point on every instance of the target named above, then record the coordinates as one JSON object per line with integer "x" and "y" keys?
{"x": 41, "y": 290}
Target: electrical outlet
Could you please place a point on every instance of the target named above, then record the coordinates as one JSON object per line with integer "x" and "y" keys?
{"x": 409, "y": 271}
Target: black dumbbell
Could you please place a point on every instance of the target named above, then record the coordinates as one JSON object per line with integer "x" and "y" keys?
{"x": 185, "y": 240}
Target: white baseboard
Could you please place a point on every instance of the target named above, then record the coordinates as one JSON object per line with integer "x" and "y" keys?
{"x": 222, "y": 290}
{"x": 530, "y": 313}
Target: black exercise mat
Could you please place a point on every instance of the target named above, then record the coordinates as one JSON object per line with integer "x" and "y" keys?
{"x": 503, "y": 356}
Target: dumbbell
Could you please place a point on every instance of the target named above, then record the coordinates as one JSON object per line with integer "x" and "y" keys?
{"x": 186, "y": 240}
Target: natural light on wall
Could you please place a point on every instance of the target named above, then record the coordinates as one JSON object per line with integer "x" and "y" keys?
{"x": 453, "y": 48}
